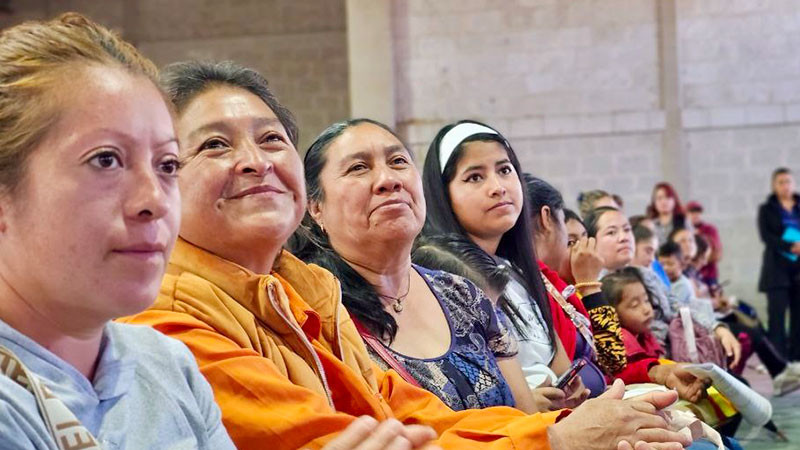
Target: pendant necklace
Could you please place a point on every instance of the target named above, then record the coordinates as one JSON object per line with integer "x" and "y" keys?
{"x": 397, "y": 304}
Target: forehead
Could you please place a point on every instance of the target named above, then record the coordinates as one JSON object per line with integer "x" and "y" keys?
{"x": 224, "y": 104}
{"x": 612, "y": 218}
{"x": 111, "y": 99}
{"x": 575, "y": 227}
{"x": 633, "y": 288}
{"x": 481, "y": 153}
{"x": 364, "y": 137}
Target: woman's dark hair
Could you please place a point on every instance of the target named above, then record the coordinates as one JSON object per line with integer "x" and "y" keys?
{"x": 541, "y": 194}
{"x": 457, "y": 255}
{"x": 642, "y": 233}
{"x": 516, "y": 245}
{"x": 572, "y": 215}
{"x": 678, "y": 214}
{"x": 614, "y": 284}
{"x": 183, "y": 81}
{"x": 592, "y": 220}
{"x": 311, "y": 244}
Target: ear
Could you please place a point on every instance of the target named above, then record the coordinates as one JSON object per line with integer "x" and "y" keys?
{"x": 315, "y": 211}
{"x": 546, "y": 218}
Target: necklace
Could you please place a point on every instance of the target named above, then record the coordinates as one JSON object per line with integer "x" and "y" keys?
{"x": 398, "y": 301}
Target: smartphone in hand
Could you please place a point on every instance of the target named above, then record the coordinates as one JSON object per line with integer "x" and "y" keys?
{"x": 568, "y": 376}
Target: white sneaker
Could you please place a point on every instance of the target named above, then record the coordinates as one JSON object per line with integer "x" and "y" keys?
{"x": 786, "y": 381}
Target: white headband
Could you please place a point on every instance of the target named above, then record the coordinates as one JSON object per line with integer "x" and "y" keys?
{"x": 456, "y": 136}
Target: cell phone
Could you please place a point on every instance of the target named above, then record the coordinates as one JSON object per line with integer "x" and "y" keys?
{"x": 568, "y": 376}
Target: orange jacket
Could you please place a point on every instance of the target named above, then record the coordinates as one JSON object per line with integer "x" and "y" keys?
{"x": 288, "y": 367}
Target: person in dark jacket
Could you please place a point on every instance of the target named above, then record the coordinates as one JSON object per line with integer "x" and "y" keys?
{"x": 778, "y": 220}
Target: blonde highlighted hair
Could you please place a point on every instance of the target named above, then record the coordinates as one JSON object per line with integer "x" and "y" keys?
{"x": 35, "y": 59}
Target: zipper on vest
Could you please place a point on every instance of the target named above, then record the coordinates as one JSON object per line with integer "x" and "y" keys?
{"x": 306, "y": 343}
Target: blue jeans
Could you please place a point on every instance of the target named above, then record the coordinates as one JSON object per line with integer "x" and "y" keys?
{"x": 702, "y": 444}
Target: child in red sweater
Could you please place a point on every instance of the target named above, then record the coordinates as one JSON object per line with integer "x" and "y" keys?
{"x": 625, "y": 290}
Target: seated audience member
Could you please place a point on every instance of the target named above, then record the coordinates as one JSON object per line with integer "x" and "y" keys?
{"x": 642, "y": 220}
{"x": 575, "y": 231}
{"x": 90, "y": 211}
{"x": 709, "y": 272}
{"x": 589, "y": 200}
{"x": 666, "y": 211}
{"x": 288, "y": 367}
{"x": 615, "y": 244}
{"x": 579, "y": 336}
{"x": 681, "y": 292}
{"x": 473, "y": 188}
{"x": 440, "y": 329}
{"x": 459, "y": 256}
{"x": 646, "y": 249}
{"x": 626, "y": 291}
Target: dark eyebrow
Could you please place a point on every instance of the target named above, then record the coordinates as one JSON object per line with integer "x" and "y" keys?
{"x": 502, "y": 161}
{"x": 354, "y": 156}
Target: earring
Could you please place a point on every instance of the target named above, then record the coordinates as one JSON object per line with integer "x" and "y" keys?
{"x": 322, "y": 227}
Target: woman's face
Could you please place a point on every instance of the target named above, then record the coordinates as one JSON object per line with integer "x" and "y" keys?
{"x": 663, "y": 202}
{"x": 554, "y": 239}
{"x": 783, "y": 185}
{"x": 485, "y": 193}
{"x": 87, "y": 233}
{"x": 686, "y": 240}
{"x": 615, "y": 240}
{"x": 575, "y": 231}
{"x": 242, "y": 182}
{"x": 372, "y": 192}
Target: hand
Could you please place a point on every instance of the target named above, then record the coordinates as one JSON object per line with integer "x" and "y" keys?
{"x": 608, "y": 421}
{"x": 732, "y": 346}
{"x": 547, "y": 398}
{"x": 795, "y": 248}
{"x": 365, "y": 433}
{"x": 586, "y": 263}
{"x": 576, "y": 393}
{"x": 674, "y": 376}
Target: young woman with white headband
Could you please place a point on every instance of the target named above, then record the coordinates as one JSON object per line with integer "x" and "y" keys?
{"x": 473, "y": 187}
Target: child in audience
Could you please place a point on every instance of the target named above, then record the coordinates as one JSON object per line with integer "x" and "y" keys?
{"x": 681, "y": 288}
{"x": 625, "y": 290}
{"x": 645, "y": 251}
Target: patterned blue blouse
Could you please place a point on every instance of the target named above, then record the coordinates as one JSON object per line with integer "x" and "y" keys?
{"x": 467, "y": 375}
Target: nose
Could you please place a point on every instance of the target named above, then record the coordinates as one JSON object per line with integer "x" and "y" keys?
{"x": 388, "y": 180}
{"x": 496, "y": 189}
{"x": 252, "y": 161}
{"x": 147, "y": 200}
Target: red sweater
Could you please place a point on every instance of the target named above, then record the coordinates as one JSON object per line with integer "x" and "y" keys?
{"x": 642, "y": 352}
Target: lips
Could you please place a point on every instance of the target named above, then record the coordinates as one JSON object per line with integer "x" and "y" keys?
{"x": 500, "y": 205}
{"x": 391, "y": 202}
{"x": 261, "y": 189}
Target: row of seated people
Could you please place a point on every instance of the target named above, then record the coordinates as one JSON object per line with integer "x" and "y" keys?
{"x": 121, "y": 187}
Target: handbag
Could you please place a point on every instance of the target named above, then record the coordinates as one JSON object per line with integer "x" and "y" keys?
{"x": 690, "y": 342}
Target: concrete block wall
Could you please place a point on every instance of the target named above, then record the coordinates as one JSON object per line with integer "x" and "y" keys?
{"x": 576, "y": 86}
{"x": 299, "y": 46}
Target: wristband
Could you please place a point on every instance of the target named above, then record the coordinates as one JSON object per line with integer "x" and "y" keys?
{"x": 590, "y": 284}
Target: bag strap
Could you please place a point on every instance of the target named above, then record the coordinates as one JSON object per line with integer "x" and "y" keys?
{"x": 65, "y": 429}
{"x": 577, "y": 319}
{"x": 376, "y": 345}
{"x": 688, "y": 333}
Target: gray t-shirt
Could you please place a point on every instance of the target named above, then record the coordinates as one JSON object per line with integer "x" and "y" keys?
{"x": 147, "y": 393}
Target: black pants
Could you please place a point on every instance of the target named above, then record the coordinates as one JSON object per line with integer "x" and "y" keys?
{"x": 778, "y": 301}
